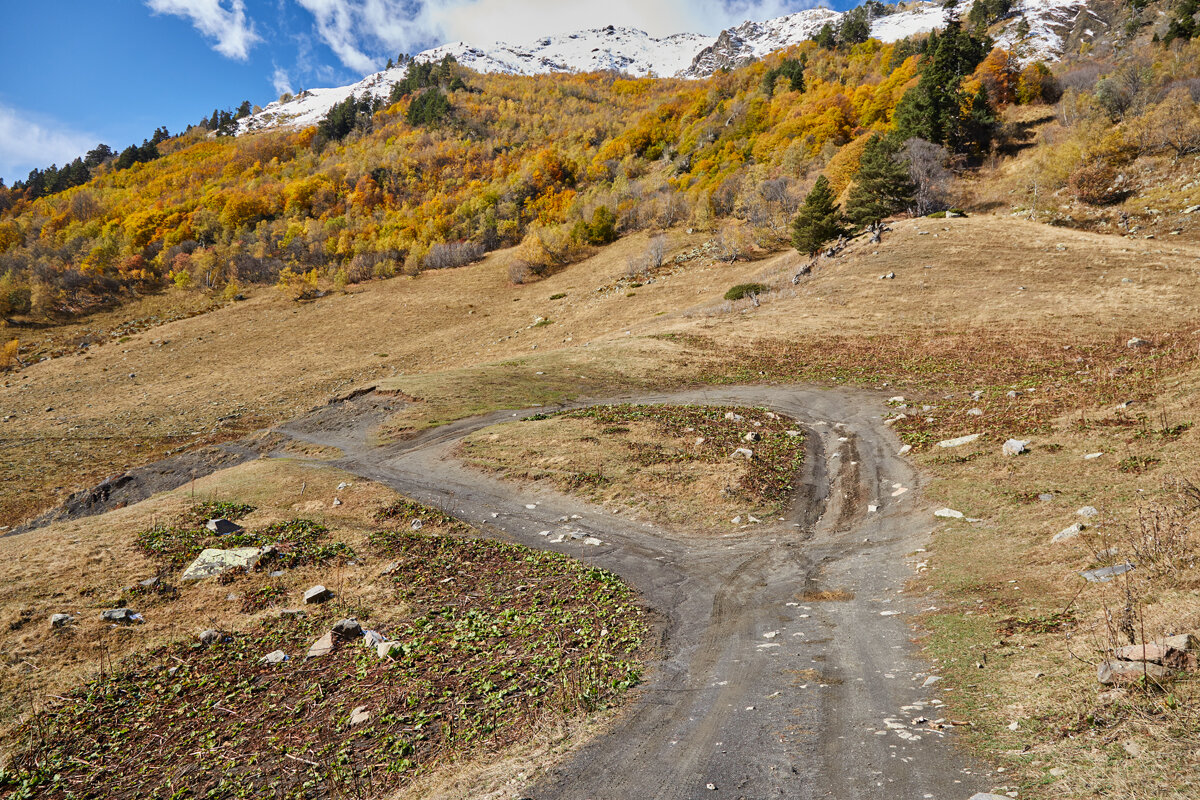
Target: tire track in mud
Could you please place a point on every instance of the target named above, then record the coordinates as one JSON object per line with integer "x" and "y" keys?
{"x": 759, "y": 693}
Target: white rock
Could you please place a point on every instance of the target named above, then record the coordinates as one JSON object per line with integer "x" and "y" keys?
{"x": 1091, "y": 456}
{"x": 1068, "y": 533}
{"x": 975, "y": 412}
{"x": 961, "y": 440}
{"x": 743, "y": 452}
{"x": 904, "y": 450}
{"x": 213, "y": 562}
{"x": 1088, "y": 511}
{"x": 359, "y": 715}
{"x": 948, "y": 513}
{"x": 1015, "y": 447}
{"x": 1137, "y": 343}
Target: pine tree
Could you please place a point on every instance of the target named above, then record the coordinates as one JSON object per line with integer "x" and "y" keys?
{"x": 932, "y": 110}
{"x": 819, "y": 219}
{"x": 825, "y": 38}
{"x": 882, "y": 186}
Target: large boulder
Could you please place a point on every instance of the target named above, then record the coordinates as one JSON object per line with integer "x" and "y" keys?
{"x": 213, "y": 562}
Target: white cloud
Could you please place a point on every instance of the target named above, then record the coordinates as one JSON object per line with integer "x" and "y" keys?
{"x": 363, "y": 32}
{"x": 27, "y": 142}
{"x": 281, "y": 81}
{"x": 234, "y": 34}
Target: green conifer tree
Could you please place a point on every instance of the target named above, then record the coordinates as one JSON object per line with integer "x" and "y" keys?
{"x": 882, "y": 186}
{"x": 819, "y": 219}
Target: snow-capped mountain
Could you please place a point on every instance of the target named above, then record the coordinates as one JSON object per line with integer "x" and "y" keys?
{"x": 613, "y": 48}
{"x": 1051, "y": 23}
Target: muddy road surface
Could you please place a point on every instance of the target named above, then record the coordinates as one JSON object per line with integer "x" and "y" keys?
{"x": 762, "y": 690}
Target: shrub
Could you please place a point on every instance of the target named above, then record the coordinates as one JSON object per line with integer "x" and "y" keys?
{"x": 1096, "y": 184}
{"x": 745, "y": 290}
{"x": 452, "y": 254}
{"x": 8, "y": 354}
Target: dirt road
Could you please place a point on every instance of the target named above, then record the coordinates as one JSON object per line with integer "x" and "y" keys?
{"x": 759, "y": 692}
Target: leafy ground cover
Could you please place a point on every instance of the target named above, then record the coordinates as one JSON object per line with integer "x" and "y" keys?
{"x": 295, "y": 542}
{"x": 641, "y": 456}
{"x": 492, "y": 640}
{"x": 1021, "y": 385}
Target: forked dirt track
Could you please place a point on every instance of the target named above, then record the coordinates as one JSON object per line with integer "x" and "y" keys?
{"x": 758, "y": 693}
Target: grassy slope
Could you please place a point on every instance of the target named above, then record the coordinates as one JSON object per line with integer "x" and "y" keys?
{"x": 995, "y": 308}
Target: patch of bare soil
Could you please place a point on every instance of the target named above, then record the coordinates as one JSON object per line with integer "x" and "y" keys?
{"x": 703, "y": 469}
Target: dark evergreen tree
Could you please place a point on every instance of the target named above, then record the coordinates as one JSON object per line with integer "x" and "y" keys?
{"x": 244, "y": 109}
{"x": 825, "y": 37}
{"x": 932, "y": 109}
{"x": 98, "y": 155}
{"x": 819, "y": 219}
{"x": 882, "y": 186}
{"x": 430, "y": 107}
{"x": 855, "y": 27}
{"x": 1183, "y": 23}
{"x": 790, "y": 68}
{"x": 978, "y": 127}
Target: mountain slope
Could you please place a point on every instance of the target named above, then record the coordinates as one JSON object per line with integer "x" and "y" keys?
{"x": 689, "y": 55}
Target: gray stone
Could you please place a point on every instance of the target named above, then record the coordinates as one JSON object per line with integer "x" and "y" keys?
{"x": 1068, "y": 533}
{"x": 1088, "y": 511}
{"x": 1112, "y": 673}
{"x": 347, "y": 629}
{"x": 948, "y": 513}
{"x": 275, "y": 657}
{"x": 359, "y": 715}
{"x": 222, "y": 526}
{"x": 961, "y": 440}
{"x": 210, "y": 636}
{"x": 60, "y": 620}
{"x": 1148, "y": 651}
{"x": 975, "y": 412}
{"x": 372, "y": 638}
{"x": 395, "y": 565}
{"x": 1105, "y": 574}
{"x": 752, "y": 436}
{"x": 743, "y": 452}
{"x": 149, "y": 583}
{"x": 386, "y": 649}
{"x": 317, "y": 594}
{"x": 213, "y": 562}
{"x": 1137, "y": 344}
{"x": 321, "y": 647}
{"x": 1184, "y": 641}
{"x": 125, "y": 616}
{"x": 1045, "y": 497}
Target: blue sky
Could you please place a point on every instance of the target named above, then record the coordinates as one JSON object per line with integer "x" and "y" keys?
{"x": 77, "y": 72}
